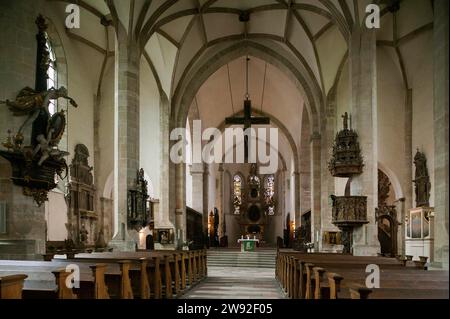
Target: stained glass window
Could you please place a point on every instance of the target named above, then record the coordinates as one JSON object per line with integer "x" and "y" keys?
{"x": 269, "y": 193}
{"x": 52, "y": 76}
{"x": 237, "y": 194}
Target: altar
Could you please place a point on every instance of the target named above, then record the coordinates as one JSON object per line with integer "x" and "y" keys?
{"x": 248, "y": 244}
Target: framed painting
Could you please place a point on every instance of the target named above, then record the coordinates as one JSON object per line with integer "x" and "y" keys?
{"x": 165, "y": 236}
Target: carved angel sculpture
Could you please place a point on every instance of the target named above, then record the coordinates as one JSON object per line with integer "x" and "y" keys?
{"x": 30, "y": 102}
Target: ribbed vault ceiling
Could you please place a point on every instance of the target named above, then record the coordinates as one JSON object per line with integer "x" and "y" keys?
{"x": 175, "y": 33}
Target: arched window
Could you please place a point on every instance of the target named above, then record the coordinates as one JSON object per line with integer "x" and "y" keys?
{"x": 52, "y": 75}
{"x": 237, "y": 194}
{"x": 269, "y": 193}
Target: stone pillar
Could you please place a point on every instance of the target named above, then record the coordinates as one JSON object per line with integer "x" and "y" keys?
{"x": 440, "y": 54}
{"x": 363, "y": 72}
{"x": 126, "y": 135}
{"x": 163, "y": 215}
{"x": 180, "y": 211}
{"x": 220, "y": 201}
{"x": 327, "y": 180}
{"x": 26, "y": 227}
{"x": 281, "y": 182}
{"x": 197, "y": 171}
{"x": 408, "y": 175}
{"x": 297, "y": 212}
{"x": 316, "y": 189}
{"x": 205, "y": 196}
{"x": 401, "y": 231}
{"x": 199, "y": 200}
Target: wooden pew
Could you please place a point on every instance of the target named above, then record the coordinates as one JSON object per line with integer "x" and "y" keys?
{"x": 11, "y": 286}
{"x": 180, "y": 267}
{"x": 41, "y": 285}
{"x": 396, "y": 279}
{"x": 120, "y": 274}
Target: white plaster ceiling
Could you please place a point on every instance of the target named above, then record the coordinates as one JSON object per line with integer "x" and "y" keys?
{"x": 314, "y": 31}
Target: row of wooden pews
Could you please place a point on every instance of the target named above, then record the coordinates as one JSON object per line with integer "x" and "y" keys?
{"x": 338, "y": 276}
{"x": 124, "y": 275}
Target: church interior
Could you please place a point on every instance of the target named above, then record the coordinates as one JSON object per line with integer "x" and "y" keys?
{"x": 98, "y": 98}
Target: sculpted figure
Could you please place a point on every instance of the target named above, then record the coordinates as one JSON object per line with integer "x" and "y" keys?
{"x": 29, "y": 102}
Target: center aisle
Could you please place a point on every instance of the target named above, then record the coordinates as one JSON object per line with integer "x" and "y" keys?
{"x": 234, "y": 280}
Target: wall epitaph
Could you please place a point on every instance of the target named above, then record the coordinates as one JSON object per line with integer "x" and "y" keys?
{"x": 422, "y": 180}
{"x": 82, "y": 217}
{"x": 138, "y": 206}
{"x": 35, "y": 166}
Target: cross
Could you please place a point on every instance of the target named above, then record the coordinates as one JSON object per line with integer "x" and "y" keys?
{"x": 248, "y": 120}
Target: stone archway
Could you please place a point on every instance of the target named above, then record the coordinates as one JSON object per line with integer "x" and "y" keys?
{"x": 184, "y": 94}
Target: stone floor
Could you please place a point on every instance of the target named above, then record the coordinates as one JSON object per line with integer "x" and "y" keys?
{"x": 237, "y": 283}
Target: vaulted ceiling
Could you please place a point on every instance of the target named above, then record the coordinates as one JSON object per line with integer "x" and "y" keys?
{"x": 176, "y": 33}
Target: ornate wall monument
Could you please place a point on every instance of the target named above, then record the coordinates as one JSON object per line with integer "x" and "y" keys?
{"x": 420, "y": 220}
{"x": 348, "y": 211}
{"x": 386, "y": 216}
{"x": 421, "y": 180}
{"x": 30, "y": 155}
{"x": 33, "y": 150}
{"x": 82, "y": 225}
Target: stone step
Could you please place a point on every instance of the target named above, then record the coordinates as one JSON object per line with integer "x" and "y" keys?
{"x": 236, "y": 258}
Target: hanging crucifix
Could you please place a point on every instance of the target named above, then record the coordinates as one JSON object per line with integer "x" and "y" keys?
{"x": 248, "y": 120}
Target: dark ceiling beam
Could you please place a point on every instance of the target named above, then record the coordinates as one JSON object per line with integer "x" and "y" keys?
{"x": 314, "y": 9}
{"x": 338, "y": 18}
{"x": 410, "y": 36}
{"x": 347, "y": 13}
{"x": 267, "y": 7}
{"x": 288, "y": 20}
{"x": 90, "y": 44}
{"x": 322, "y": 31}
{"x": 169, "y": 38}
{"x": 148, "y": 29}
{"x": 141, "y": 17}
{"x": 208, "y": 4}
{"x": 202, "y": 22}
{"x": 155, "y": 73}
{"x": 313, "y": 44}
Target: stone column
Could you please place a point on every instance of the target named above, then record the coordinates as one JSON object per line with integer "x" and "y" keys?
{"x": 205, "y": 195}
{"x": 197, "y": 171}
{"x": 126, "y": 135}
{"x": 198, "y": 189}
{"x": 440, "y": 54}
{"x": 220, "y": 201}
{"x": 281, "y": 182}
{"x": 327, "y": 180}
{"x": 180, "y": 211}
{"x": 363, "y": 72}
{"x": 316, "y": 189}
{"x": 163, "y": 215}
{"x": 26, "y": 226}
{"x": 401, "y": 231}
{"x": 297, "y": 212}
